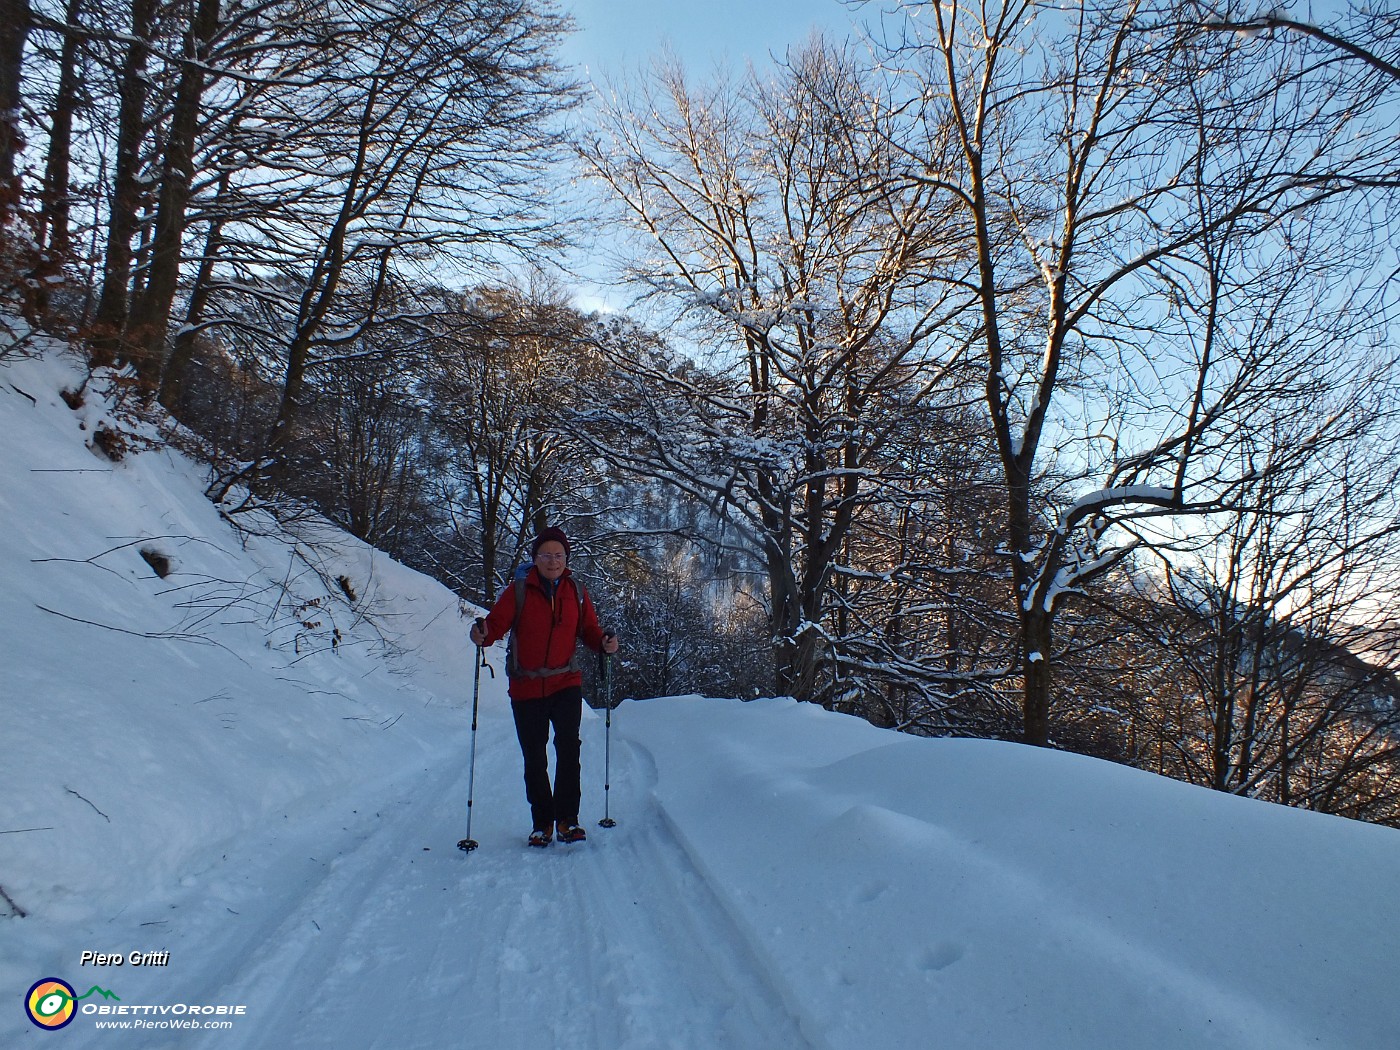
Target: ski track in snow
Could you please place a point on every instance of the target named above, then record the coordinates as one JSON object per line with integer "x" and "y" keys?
{"x": 342, "y": 929}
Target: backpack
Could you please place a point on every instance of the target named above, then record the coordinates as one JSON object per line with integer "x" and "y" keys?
{"x": 513, "y": 668}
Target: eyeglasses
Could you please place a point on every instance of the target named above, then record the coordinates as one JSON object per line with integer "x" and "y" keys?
{"x": 549, "y": 557}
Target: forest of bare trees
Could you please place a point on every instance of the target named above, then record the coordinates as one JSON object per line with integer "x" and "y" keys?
{"x": 1007, "y": 369}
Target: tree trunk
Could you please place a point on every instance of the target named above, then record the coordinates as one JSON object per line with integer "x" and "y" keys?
{"x": 109, "y": 325}
{"x": 1228, "y": 644}
{"x": 57, "y": 200}
{"x": 172, "y": 378}
{"x": 15, "y": 257}
{"x": 150, "y": 317}
{"x": 1036, "y": 625}
{"x": 317, "y": 299}
{"x": 15, "y": 23}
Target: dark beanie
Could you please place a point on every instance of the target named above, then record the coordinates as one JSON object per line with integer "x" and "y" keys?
{"x": 552, "y": 533}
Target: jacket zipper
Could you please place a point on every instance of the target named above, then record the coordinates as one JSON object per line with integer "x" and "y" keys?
{"x": 549, "y": 638}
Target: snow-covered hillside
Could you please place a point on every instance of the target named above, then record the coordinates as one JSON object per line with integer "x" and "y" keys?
{"x": 261, "y": 770}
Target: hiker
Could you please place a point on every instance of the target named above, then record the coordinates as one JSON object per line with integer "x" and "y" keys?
{"x": 546, "y": 686}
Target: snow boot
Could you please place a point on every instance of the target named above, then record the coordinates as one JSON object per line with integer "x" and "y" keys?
{"x": 571, "y": 833}
{"x": 540, "y": 837}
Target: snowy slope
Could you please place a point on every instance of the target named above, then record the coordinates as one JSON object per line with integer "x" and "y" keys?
{"x": 243, "y": 767}
{"x": 977, "y": 894}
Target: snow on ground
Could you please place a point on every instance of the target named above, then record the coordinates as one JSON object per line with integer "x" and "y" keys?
{"x": 247, "y": 768}
{"x": 979, "y": 894}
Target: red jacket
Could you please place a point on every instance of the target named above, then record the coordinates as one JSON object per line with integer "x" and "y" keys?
{"x": 549, "y": 631}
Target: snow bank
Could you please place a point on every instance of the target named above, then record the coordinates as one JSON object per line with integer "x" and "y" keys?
{"x": 909, "y": 892}
{"x": 150, "y": 720}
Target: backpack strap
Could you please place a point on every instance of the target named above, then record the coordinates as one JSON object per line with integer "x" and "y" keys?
{"x": 513, "y": 668}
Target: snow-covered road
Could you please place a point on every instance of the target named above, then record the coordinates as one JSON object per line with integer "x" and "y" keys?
{"x": 362, "y": 925}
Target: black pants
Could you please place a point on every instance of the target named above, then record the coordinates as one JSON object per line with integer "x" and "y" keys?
{"x": 563, "y": 710}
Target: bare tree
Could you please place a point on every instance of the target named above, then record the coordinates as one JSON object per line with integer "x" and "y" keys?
{"x": 920, "y": 593}
{"x": 257, "y": 70}
{"x": 780, "y": 241}
{"x": 361, "y": 455}
{"x": 1123, "y": 184}
{"x": 149, "y": 322}
{"x": 127, "y": 191}
{"x": 304, "y": 153}
{"x": 56, "y": 204}
{"x": 509, "y": 368}
{"x": 410, "y": 143}
{"x": 1281, "y": 693}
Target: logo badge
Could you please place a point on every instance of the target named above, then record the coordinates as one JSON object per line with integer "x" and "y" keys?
{"x": 51, "y": 1003}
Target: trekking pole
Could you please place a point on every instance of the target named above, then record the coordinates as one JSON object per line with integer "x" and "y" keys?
{"x": 468, "y": 844}
{"x": 605, "y": 660}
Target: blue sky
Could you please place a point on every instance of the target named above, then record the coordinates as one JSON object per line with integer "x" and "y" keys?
{"x": 613, "y": 34}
